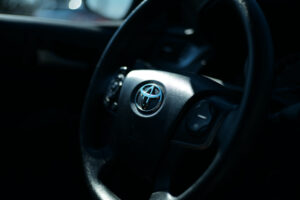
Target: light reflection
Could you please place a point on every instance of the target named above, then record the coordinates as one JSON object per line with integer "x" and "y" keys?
{"x": 75, "y": 4}
{"x": 215, "y": 80}
{"x": 189, "y": 31}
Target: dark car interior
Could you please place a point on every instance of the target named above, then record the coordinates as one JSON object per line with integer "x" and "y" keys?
{"x": 51, "y": 130}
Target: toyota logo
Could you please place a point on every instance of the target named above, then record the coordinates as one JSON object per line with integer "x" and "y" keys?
{"x": 149, "y": 98}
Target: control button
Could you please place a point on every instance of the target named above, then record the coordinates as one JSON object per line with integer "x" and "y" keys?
{"x": 200, "y": 118}
{"x": 113, "y": 91}
{"x": 114, "y": 106}
{"x": 123, "y": 70}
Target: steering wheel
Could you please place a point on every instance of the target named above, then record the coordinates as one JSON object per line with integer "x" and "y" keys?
{"x": 137, "y": 126}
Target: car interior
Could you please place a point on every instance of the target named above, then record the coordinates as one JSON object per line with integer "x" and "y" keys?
{"x": 181, "y": 99}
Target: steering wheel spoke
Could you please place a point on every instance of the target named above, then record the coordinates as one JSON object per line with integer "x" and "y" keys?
{"x": 224, "y": 134}
{"x": 198, "y": 127}
{"x": 97, "y": 159}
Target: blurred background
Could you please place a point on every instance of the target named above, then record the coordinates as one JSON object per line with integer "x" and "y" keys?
{"x": 74, "y": 10}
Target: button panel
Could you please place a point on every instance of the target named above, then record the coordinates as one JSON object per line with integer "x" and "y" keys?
{"x": 114, "y": 88}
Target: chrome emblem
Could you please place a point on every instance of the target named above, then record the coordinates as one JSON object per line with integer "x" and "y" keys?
{"x": 149, "y": 98}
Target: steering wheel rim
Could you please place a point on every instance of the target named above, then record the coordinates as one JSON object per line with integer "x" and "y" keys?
{"x": 250, "y": 113}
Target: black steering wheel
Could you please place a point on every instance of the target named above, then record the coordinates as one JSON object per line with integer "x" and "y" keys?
{"x": 138, "y": 126}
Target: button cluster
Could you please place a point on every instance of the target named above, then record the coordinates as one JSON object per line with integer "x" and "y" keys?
{"x": 113, "y": 91}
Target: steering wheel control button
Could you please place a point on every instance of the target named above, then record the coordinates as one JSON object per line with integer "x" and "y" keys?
{"x": 196, "y": 130}
{"x": 113, "y": 91}
{"x": 200, "y": 118}
{"x": 149, "y": 98}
